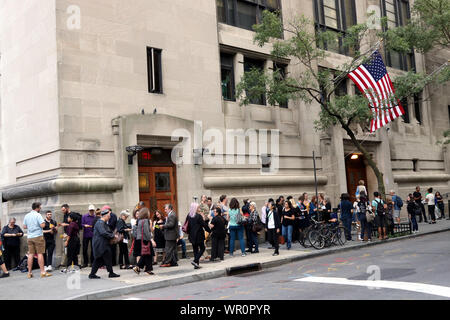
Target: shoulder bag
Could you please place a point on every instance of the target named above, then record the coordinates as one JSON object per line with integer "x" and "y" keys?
{"x": 146, "y": 250}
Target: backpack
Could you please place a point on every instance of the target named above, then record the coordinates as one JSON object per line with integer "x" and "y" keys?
{"x": 380, "y": 208}
{"x": 398, "y": 201}
{"x": 417, "y": 209}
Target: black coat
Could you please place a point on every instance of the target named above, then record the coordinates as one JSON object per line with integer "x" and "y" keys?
{"x": 121, "y": 226}
{"x": 100, "y": 241}
{"x": 277, "y": 219}
{"x": 196, "y": 229}
{"x": 112, "y": 223}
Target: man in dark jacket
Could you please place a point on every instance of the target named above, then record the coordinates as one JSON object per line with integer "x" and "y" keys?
{"x": 273, "y": 226}
{"x": 101, "y": 246}
{"x": 112, "y": 224}
{"x": 170, "y": 235}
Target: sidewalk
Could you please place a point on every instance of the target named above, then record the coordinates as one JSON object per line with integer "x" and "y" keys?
{"x": 78, "y": 286}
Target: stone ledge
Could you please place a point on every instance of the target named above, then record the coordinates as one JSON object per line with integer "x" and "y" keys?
{"x": 421, "y": 177}
{"x": 266, "y": 180}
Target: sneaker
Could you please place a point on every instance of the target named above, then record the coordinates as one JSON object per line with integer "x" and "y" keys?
{"x": 275, "y": 254}
{"x": 64, "y": 270}
{"x": 93, "y": 276}
{"x": 359, "y": 238}
{"x": 137, "y": 270}
{"x": 195, "y": 264}
{"x": 243, "y": 255}
{"x": 4, "y": 275}
{"x": 49, "y": 269}
{"x": 113, "y": 275}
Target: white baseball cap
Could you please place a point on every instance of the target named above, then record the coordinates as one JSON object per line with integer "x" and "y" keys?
{"x": 91, "y": 207}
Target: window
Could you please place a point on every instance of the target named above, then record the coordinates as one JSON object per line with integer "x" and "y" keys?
{"x": 335, "y": 16}
{"x": 244, "y": 13}
{"x": 282, "y": 69}
{"x": 415, "y": 165}
{"x": 417, "y": 111}
{"x": 227, "y": 76}
{"x": 397, "y": 13}
{"x": 341, "y": 89}
{"x": 250, "y": 64}
{"x": 154, "y": 70}
{"x": 404, "y": 104}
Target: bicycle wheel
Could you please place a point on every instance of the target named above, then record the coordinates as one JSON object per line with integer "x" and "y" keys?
{"x": 315, "y": 239}
{"x": 339, "y": 235}
{"x": 327, "y": 235}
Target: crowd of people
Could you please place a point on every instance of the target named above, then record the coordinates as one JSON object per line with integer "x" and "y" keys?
{"x": 146, "y": 237}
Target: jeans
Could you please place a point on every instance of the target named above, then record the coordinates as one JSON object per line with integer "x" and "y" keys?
{"x": 182, "y": 243}
{"x": 237, "y": 232}
{"x": 366, "y": 227}
{"x": 347, "y": 222}
{"x": 415, "y": 227}
{"x": 287, "y": 235}
{"x": 48, "y": 256}
{"x": 86, "y": 242}
{"x": 441, "y": 209}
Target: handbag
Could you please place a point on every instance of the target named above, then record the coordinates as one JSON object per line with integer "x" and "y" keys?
{"x": 185, "y": 226}
{"x": 281, "y": 239}
{"x": 146, "y": 250}
{"x": 258, "y": 225}
{"x": 369, "y": 216}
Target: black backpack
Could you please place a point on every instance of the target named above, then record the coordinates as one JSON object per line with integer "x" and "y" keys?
{"x": 380, "y": 208}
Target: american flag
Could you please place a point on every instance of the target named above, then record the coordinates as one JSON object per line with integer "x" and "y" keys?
{"x": 372, "y": 80}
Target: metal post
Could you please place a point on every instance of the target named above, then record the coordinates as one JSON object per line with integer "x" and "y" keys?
{"x": 315, "y": 183}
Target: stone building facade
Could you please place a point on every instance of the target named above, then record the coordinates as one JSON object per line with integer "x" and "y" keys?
{"x": 82, "y": 80}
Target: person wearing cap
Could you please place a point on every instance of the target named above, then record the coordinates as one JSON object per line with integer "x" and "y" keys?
{"x": 124, "y": 229}
{"x": 101, "y": 246}
{"x": 87, "y": 224}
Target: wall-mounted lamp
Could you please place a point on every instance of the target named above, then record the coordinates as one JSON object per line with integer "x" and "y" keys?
{"x": 354, "y": 156}
{"x": 198, "y": 155}
{"x": 132, "y": 151}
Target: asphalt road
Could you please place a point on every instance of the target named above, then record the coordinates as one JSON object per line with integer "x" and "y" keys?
{"x": 419, "y": 262}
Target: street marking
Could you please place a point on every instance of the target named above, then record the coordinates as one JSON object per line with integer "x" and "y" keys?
{"x": 408, "y": 286}
{"x": 133, "y": 298}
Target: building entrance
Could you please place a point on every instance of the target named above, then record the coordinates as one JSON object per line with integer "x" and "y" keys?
{"x": 355, "y": 171}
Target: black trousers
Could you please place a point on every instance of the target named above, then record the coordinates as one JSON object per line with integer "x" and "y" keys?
{"x": 273, "y": 238}
{"x": 171, "y": 252}
{"x": 248, "y": 229}
{"x": 217, "y": 247}
{"x": 105, "y": 260}
{"x": 198, "y": 248}
{"x": 123, "y": 254}
{"x": 73, "y": 249}
{"x": 114, "y": 254}
{"x": 49, "y": 249}
{"x": 431, "y": 213}
{"x": 441, "y": 209}
{"x": 423, "y": 212}
{"x": 12, "y": 252}
{"x": 87, "y": 242}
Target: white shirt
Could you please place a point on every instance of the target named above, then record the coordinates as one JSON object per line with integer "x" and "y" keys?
{"x": 430, "y": 198}
{"x": 271, "y": 222}
{"x": 263, "y": 214}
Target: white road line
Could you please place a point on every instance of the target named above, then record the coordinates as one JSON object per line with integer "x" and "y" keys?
{"x": 133, "y": 298}
{"x": 408, "y": 286}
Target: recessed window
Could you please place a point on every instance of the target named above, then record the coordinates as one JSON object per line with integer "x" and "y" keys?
{"x": 417, "y": 109}
{"x": 335, "y": 16}
{"x": 280, "y": 70}
{"x": 397, "y": 13}
{"x": 244, "y": 13}
{"x": 251, "y": 64}
{"x": 404, "y": 104}
{"x": 227, "y": 76}
{"x": 154, "y": 70}
{"x": 415, "y": 165}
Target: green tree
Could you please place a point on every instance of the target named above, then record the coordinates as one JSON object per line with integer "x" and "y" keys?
{"x": 303, "y": 45}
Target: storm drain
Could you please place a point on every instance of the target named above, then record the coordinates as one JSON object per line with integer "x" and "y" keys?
{"x": 244, "y": 269}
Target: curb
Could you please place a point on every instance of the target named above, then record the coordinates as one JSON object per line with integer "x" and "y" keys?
{"x": 130, "y": 289}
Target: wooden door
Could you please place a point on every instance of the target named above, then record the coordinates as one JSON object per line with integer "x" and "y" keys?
{"x": 356, "y": 171}
{"x": 157, "y": 187}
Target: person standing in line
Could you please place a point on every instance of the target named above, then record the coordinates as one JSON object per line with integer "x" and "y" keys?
{"x": 413, "y": 210}
{"x": 112, "y": 224}
{"x": 287, "y": 223}
{"x": 34, "y": 223}
{"x": 66, "y": 211}
{"x": 170, "y": 235}
{"x": 390, "y": 215}
{"x": 158, "y": 235}
{"x": 196, "y": 230}
{"x": 247, "y": 227}
{"x": 429, "y": 199}
{"x": 418, "y": 198}
{"x": 72, "y": 242}
{"x": 123, "y": 228}
{"x": 398, "y": 204}
{"x": 252, "y": 221}
{"x": 273, "y": 226}
{"x": 236, "y": 229}
{"x": 102, "y": 249}
{"x": 356, "y": 212}
{"x": 360, "y": 188}
{"x": 303, "y": 217}
{"x": 440, "y": 204}
{"x": 363, "y": 206}
{"x": 223, "y": 204}
{"x": 181, "y": 242}
{"x": 380, "y": 215}
{"x": 264, "y": 211}
{"x": 218, "y": 233}
{"x": 87, "y": 224}
{"x": 144, "y": 236}
{"x": 5, "y": 273}
{"x": 50, "y": 232}
{"x": 211, "y": 207}
{"x": 11, "y": 234}
{"x": 346, "y": 208}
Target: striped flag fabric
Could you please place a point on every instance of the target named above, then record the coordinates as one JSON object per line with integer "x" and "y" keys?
{"x": 373, "y": 80}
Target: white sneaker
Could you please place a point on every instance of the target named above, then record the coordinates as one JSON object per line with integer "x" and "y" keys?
{"x": 359, "y": 238}
{"x": 49, "y": 269}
